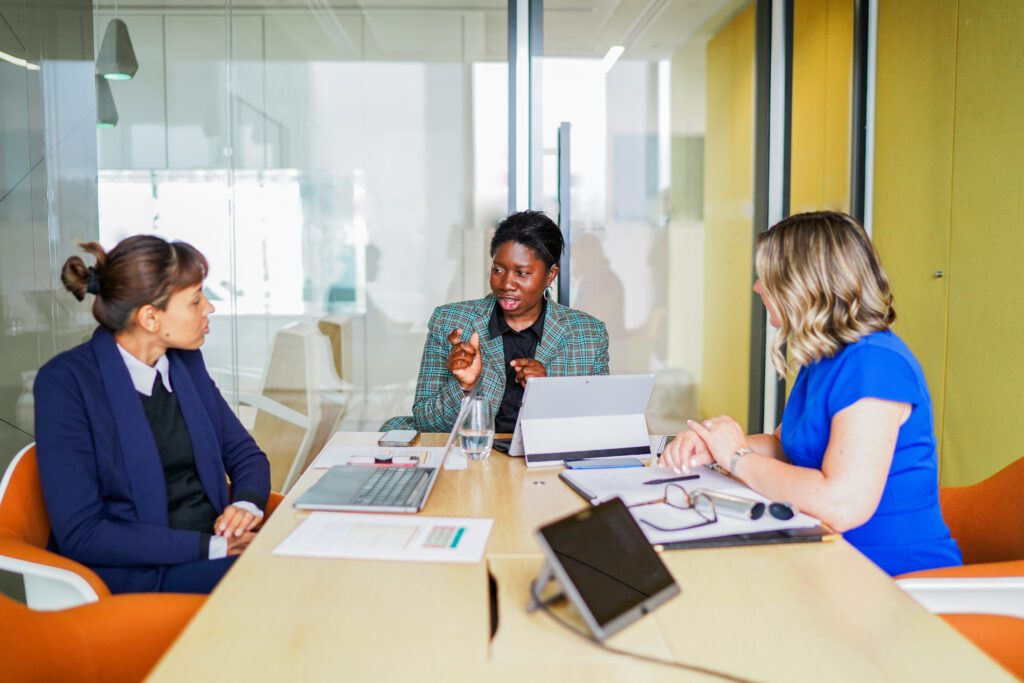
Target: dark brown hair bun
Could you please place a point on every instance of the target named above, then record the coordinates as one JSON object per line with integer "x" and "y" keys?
{"x": 140, "y": 270}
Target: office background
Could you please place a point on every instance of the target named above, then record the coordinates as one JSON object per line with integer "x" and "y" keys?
{"x": 343, "y": 167}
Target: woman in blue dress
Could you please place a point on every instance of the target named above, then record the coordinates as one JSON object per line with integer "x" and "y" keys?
{"x": 856, "y": 447}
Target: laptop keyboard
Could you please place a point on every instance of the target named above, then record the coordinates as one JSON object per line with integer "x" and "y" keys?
{"x": 394, "y": 487}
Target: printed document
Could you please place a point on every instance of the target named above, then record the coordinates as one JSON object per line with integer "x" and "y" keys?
{"x": 384, "y": 537}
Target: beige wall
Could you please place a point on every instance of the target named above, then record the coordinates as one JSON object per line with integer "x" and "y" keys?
{"x": 949, "y": 177}
{"x": 728, "y": 214}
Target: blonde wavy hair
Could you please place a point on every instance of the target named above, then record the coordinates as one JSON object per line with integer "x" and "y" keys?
{"x": 824, "y": 278}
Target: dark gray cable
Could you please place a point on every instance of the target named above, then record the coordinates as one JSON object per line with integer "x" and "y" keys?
{"x": 635, "y": 655}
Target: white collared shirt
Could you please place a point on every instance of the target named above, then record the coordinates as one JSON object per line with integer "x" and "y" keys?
{"x": 143, "y": 375}
{"x": 142, "y": 379}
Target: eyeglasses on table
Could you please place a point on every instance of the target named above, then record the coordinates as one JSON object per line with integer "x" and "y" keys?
{"x": 679, "y": 498}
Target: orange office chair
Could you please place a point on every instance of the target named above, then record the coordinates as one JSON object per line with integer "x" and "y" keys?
{"x": 51, "y": 580}
{"x": 984, "y": 599}
{"x": 272, "y": 502}
{"x": 987, "y": 518}
{"x": 118, "y": 639}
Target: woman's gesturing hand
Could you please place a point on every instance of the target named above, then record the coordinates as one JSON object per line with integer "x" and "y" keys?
{"x": 464, "y": 360}
{"x": 528, "y": 367}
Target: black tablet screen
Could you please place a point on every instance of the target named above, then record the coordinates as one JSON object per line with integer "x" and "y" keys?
{"x": 608, "y": 559}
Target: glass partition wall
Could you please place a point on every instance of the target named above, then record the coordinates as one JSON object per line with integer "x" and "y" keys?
{"x": 660, "y": 111}
{"x": 344, "y": 167}
{"x": 340, "y": 168}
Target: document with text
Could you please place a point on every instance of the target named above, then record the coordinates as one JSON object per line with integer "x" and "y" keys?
{"x": 386, "y": 537}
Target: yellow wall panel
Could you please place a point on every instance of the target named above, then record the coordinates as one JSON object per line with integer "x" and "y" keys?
{"x": 914, "y": 173}
{"x": 822, "y": 68}
{"x": 838, "y": 92}
{"x": 985, "y": 373}
{"x": 728, "y": 214}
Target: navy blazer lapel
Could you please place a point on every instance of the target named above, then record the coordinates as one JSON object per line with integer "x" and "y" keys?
{"x": 141, "y": 458}
{"x": 553, "y": 339}
{"x": 205, "y": 444}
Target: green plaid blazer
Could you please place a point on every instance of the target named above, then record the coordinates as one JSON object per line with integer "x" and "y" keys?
{"x": 573, "y": 343}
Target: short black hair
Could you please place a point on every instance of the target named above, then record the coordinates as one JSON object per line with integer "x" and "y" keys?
{"x": 532, "y": 229}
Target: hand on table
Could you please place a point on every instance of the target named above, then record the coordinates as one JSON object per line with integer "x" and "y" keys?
{"x": 713, "y": 440}
{"x": 722, "y": 436}
{"x": 685, "y": 452}
{"x": 464, "y": 360}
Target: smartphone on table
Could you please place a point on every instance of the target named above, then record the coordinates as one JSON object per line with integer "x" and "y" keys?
{"x": 398, "y": 437}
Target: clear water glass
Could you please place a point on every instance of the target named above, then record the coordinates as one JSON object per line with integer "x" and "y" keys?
{"x": 476, "y": 433}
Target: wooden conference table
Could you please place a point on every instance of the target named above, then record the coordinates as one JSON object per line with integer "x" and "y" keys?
{"x": 803, "y": 612}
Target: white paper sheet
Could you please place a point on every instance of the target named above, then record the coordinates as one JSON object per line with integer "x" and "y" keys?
{"x": 340, "y": 455}
{"x": 629, "y": 483}
{"x": 387, "y": 537}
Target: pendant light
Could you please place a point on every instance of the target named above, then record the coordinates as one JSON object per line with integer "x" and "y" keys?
{"x": 106, "y": 111}
{"x": 117, "y": 56}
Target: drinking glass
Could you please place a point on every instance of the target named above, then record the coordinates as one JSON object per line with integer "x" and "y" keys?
{"x": 476, "y": 433}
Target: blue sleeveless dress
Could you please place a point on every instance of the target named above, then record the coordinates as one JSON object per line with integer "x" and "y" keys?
{"x": 906, "y": 532}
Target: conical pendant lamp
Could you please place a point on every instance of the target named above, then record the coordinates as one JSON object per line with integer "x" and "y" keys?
{"x": 106, "y": 111}
{"x": 117, "y": 56}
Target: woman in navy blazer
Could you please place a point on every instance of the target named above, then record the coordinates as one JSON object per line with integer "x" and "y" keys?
{"x": 136, "y": 483}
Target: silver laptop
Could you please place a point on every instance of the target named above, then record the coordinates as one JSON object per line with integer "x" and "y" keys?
{"x": 354, "y": 488}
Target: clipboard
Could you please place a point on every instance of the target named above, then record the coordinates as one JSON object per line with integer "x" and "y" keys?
{"x": 807, "y": 534}
{"x": 817, "y": 534}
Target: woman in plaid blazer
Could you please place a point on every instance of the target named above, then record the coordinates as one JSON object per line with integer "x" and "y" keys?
{"x": 507, "y": 337}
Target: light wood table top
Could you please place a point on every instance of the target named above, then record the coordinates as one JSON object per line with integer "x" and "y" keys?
{"x": 801, "y": 612}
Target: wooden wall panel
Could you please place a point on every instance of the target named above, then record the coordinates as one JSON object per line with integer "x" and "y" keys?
{"x": 985, "y": 373}
{"x": 914, "y": 173}
{"x": 822, "y": 68}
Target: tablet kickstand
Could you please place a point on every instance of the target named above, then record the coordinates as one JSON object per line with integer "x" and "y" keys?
{"x": 546, "y": 576}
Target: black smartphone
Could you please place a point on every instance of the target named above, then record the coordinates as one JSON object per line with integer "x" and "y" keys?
{"x": 398, "y": 437}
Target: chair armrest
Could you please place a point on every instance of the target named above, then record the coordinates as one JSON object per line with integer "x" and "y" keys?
{"x": 1002, "y": 595}
{"x": 52, "y": 581}
{"x": 279, "y": 410}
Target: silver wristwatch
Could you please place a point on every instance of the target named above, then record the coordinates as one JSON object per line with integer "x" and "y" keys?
{"x": 735, "y": 461}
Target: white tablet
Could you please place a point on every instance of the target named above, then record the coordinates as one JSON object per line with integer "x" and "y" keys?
{"x": 584, "y": 417}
